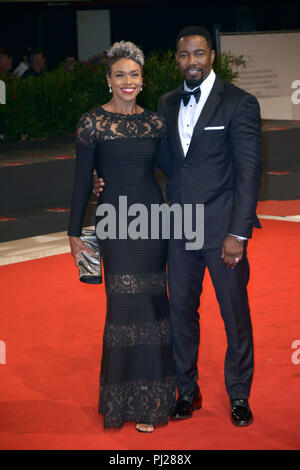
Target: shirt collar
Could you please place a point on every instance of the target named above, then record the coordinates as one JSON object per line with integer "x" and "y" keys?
{"x": 206, "y": 85}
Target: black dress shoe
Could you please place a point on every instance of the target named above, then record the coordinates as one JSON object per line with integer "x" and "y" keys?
{"x": 184, "y": 408}
{"x": 240, "y": 412}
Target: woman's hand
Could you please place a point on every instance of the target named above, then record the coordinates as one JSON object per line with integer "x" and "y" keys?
{"x": 77, "y": 247}
{"x": 98, "y": 184}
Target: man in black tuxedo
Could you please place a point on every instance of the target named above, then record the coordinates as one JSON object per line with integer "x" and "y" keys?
{"x": 214, "y": 140}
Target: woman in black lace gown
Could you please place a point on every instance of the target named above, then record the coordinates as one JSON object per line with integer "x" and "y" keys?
{"x": 120, "y": 140}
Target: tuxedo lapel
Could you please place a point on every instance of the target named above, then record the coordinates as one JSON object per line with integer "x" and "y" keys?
{"x": 207, "y": 112}
{"x": 173, "y": 111}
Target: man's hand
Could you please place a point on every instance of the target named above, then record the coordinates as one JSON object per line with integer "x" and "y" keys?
{"x": 232, "y": 251}
{"x": 98, "y": 184}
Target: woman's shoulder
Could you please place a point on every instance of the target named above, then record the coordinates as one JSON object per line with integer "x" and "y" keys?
{"x": 86, "y": 127}
{"x": 91, "y": 115}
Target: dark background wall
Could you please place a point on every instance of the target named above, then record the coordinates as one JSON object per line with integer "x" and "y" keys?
{"x": 151, "y": 24}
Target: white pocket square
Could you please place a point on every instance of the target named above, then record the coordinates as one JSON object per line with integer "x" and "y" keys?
{"x": 216, "y": 128}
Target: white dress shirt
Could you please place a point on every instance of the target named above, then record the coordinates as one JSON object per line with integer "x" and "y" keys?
{"x": 189, "y": 115}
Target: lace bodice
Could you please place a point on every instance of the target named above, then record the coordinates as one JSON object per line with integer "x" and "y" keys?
{"x": 99, "y": 125}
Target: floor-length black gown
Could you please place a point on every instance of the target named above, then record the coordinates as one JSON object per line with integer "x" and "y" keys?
{"x": 137, "y": 381}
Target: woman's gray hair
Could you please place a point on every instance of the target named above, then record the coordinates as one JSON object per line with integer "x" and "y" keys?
{"x": 121, "y": 50}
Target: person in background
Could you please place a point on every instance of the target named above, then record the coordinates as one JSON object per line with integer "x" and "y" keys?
{"x": 6, "y": 62}
{"x": 69, "y": 64}
{"x": 22, "y": 66}
{"x": 98, "y": 59}
{"x": 37, "y": 63}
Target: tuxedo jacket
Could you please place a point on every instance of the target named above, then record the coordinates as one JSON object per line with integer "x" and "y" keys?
{"x": 222, "y": 168}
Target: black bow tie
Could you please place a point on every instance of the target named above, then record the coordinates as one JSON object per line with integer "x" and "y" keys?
{"x": 185, "y": 95}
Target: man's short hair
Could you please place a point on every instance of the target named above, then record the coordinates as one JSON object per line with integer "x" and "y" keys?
{"x": 195, "y": 31}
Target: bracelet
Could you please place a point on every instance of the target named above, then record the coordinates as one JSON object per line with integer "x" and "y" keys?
{"x": 239, "y": 239}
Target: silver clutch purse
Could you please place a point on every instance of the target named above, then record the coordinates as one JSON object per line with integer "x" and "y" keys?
{"x": 90, "y": 265}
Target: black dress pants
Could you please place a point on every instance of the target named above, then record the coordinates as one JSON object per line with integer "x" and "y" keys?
{"x": 185, "y": 277}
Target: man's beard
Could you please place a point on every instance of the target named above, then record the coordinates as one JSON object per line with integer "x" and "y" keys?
{"x": 194, "y": 82}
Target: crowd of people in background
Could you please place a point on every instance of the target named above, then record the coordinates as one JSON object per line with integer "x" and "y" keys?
{"x": 32, "y": 62}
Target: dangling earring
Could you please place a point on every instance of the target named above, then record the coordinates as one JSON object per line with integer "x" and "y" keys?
{"x": 109, "y": 86}
{"x": 141, "y": 88}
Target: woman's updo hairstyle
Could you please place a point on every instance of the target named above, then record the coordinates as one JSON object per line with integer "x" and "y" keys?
{"x": 124, "y": 50}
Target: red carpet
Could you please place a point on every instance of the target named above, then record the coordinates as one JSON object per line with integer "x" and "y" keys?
{"x": 52, "y": 327}
{"x": 279, "y": 208}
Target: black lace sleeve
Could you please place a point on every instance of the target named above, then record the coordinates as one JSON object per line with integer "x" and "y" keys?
{"x": 85, "y": 155}
{"x": 86, "y": 130}
{"x": 159, "y": 123}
